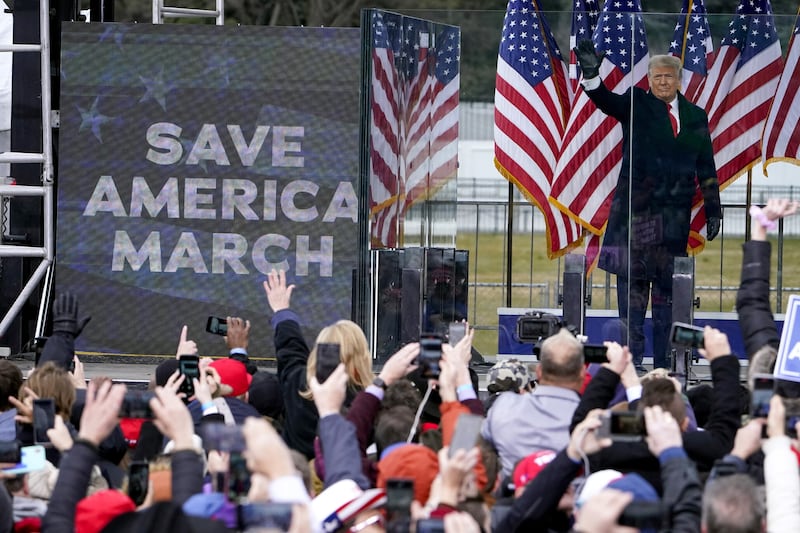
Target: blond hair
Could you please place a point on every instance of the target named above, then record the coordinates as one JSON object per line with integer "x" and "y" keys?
{"x": 353, "y": 349}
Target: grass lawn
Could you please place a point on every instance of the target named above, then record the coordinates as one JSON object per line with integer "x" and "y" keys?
{"x": 536, "y": 278}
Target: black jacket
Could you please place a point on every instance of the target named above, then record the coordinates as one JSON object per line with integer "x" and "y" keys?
{"x": 662, "y": 173}
{"x": 752, "y": 301}
{"x": 291, "y": 350}
{"x": 703, "y": 447}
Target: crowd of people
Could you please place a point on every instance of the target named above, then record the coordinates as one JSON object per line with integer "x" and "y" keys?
{"x": 243, "y": 449}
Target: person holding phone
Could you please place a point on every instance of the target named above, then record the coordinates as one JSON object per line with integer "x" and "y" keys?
{"x": 297, "y": 363}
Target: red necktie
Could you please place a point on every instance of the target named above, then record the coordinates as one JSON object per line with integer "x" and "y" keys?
{"x": 672, "y": 120}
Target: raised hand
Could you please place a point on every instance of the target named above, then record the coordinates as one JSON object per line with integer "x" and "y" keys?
{"x": 238, "y": 333}
{"x": 279, "y": 295}
{"x": 588, "y": 59}
{"x": 185, "y": 345}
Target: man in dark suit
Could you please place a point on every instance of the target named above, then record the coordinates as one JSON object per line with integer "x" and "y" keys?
{"x": 666, "y": 155}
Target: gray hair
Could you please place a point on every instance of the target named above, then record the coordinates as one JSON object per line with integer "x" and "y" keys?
{"x": 664, "y": 61}
{"x": 733, "y": 504}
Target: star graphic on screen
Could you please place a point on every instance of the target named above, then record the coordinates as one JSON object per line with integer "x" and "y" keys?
{"x": 92, "y": 119}
{"x": 220, "y": 64}
{"x": 116, "y": 32}
{"x": 156, "y": 89}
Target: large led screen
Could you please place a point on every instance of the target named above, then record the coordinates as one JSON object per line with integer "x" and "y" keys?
{"x": 192, "y": 161}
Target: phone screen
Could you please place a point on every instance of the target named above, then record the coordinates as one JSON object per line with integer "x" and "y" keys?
{"x": 189, "y": 366}
{"x": 627, "y": 426}
{"x": 328, "y": 358}
{"x": 430, "y": 353}
{"x": 217, "y": 325}
{"x": 138, "y": 478}
{"x": 687, "y": 335}
{"x": 595, "y": 353}
{"x": 465, "y": 437}
{"x": 399, "y": 495}
{"x": 457, "y": 331}
{"x": 763, "y": 389}
{"x": 238, "y": 478}
{"x": 44, "y": 418}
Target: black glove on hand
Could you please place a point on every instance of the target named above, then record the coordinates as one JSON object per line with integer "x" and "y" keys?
{"x": 65, "y": 315}
{"x": 588, "y": 59}
{"x": 712, "y": 227}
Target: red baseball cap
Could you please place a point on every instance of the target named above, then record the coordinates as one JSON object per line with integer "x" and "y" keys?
{"x": 529, "y": 467}
{"x": 233, "y": 374}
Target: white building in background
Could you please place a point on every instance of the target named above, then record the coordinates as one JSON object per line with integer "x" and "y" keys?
{"x": 479, "y": 180}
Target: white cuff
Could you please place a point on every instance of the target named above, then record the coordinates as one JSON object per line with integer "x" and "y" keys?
{"x": 633, "y": 393}
{"x": 591, "y": 84}
{"x": 288, "y": 489}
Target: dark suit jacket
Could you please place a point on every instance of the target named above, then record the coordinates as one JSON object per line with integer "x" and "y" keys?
{"x": 661, "y": 173}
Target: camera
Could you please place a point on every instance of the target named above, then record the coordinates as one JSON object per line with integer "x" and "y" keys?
{"x": 536, "y": 326}
{"x": 622, "y": 426}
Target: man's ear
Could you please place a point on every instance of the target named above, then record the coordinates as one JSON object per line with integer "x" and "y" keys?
{"x": 684, "y": 424}
{"x": 539, "y": 372}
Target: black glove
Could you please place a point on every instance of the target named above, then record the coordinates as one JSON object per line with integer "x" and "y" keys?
{"x": 65, "y": 315}
{"x": 588, "y": 59}
{"x": 712, "y": 227}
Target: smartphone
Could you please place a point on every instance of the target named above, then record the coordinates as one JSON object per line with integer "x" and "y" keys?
{"x": 32, "y": 459}
{"x": 595, "y": 353}
{"x": 136, "y": 404}
{"x": 138, "y": 479}
{"x": 399, "y": 495}
{"x": 430, "y": 353}
{"x": 456, "y": 332}
{"x": 686, "y": 335}
{"x": 763, "y": 389}
{"x": 10, "y": 452}
{"x": 622, "y": 426}
{"x": 328, "y": 358}
{"x": 238, "y": 478}
{"x": 217, "y": 325}
{"x": 643, "y": 515}
{"x": 465, "y": 436}
{"x": 430, "y": 525}
{"x": 44, "y": 418}
{"x": 222, "y": 437}
{"x": 189, "y": 366}
{"x": 271, "y": 515}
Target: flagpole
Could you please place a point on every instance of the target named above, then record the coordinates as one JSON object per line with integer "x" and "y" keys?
{"x": 748, "y": 202}
{"x": 509, "y": 241}
{"x": 686, "y": 29}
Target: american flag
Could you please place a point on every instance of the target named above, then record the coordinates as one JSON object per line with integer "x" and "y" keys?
{"x": 413, "y": 117}
{"x": 781, "y": 140}
{"x": 531, "y": 105}
{"x": 740, "y": 87}
{"x": 692, "y": 44}
{"x": 591, "y": 153}
{"x": 584, "y": 21}
{"x": 432, "y": 115}
{"x": 386, "y": 187}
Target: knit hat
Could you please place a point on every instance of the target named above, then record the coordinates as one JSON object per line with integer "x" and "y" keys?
{"x": 265, "y": 394}
{"x": 94, "y": 512}
{"x": 529, "y": 467}
{"x": 414, "y": 461}
{"x": 164, "y": 370}
{"x": 233, "y": 374}
{"x": 509, "y": 374}
{"x": 342, "y": 502}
